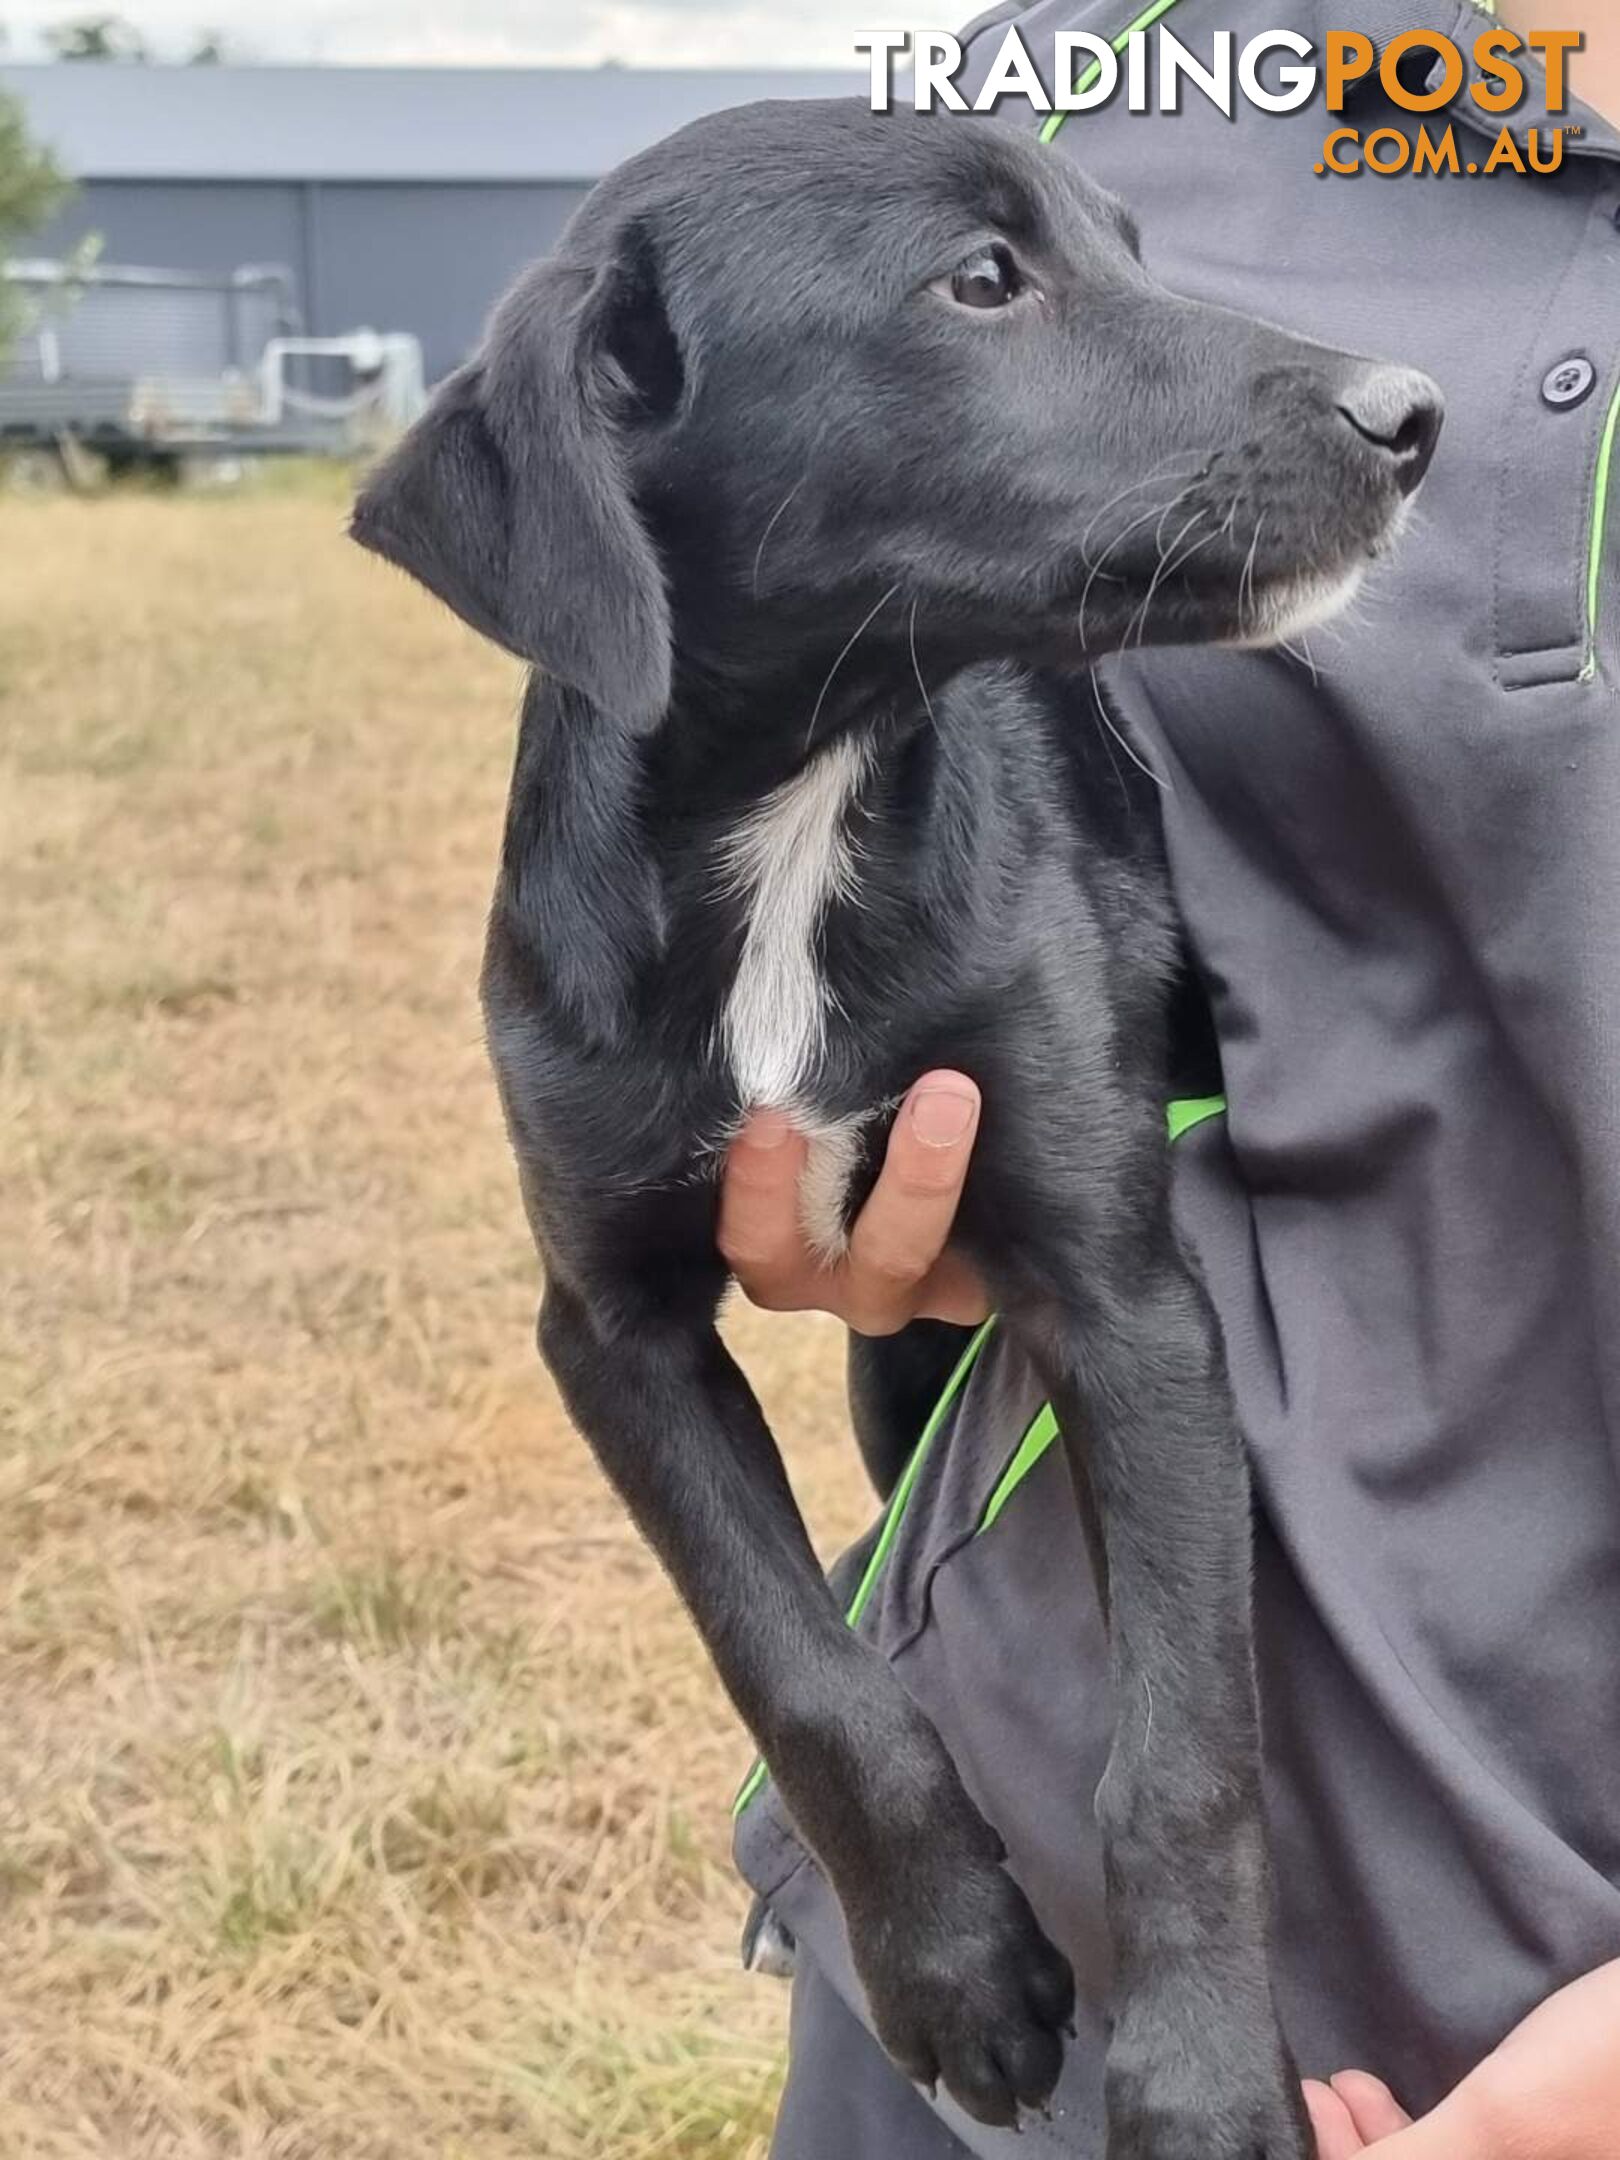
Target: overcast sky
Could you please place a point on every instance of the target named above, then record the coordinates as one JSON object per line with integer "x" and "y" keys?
{"x": 653, "y": 33}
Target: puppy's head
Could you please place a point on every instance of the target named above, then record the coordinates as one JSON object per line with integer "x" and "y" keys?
{"x": 803, "y": 368}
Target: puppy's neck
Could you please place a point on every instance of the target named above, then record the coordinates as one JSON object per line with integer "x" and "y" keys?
{"x": 733, "y": 739}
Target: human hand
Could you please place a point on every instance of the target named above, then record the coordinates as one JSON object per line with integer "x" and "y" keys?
{"x": 898, "y": 1266}
{"x": 1352, "y": 2112}
{"x": 1551, "y": 2091}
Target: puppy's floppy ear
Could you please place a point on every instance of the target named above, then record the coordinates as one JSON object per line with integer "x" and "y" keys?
{"x": 510, "y": 498}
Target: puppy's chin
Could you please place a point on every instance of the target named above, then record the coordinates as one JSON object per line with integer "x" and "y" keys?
{"x": 1289, "y": 606}
{"x": 1283, "y": 608}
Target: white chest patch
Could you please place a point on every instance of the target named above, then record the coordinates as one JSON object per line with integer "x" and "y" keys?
{"x": 788, "y": 858}
{"x": 786, "y": 861}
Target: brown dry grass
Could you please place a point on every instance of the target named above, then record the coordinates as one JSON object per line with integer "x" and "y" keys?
{"x": 362, "y": 1791}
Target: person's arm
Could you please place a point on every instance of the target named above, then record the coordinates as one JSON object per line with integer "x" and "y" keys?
{"x": 898, "y": 1267}
{"x": 1551, "y": 2091}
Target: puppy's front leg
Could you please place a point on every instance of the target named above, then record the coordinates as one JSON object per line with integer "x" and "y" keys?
{"x": 1197, "y": 2068}
{"x": 963, "y": 1986}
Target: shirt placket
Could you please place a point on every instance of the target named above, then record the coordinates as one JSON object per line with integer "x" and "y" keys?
{"x": 1558, "y": 605}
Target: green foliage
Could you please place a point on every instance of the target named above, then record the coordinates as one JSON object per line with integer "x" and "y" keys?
{"x": 32, "y": 186}
{"x": 96, "y": 37}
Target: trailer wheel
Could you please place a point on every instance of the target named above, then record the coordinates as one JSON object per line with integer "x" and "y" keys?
{"x": 155, "y": 468}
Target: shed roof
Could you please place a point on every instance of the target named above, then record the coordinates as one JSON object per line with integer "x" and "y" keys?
{"x": 112, "y": 121}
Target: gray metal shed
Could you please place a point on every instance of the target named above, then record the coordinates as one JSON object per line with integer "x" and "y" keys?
{"x": 400, "y": 198}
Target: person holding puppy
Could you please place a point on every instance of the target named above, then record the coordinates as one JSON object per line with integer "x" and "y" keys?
{"x": 1395, "y": 853}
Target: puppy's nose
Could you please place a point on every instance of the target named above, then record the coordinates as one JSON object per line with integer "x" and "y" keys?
{"x": 1399, "y": 412}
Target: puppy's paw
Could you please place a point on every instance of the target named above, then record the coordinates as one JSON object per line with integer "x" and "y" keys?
{"x": 967, "y": 1992}
{"x": 1188, "y": 2081}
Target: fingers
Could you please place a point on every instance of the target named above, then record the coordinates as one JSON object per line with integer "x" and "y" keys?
{"x": 900, "y": 1234}
{"x": 758, "y": 1228}
{"x": 1371, "y": 2106}
{"x": 897, "y": 1268}
{"x": 1353, "y": 2112}
{"x": 1337, "y": 2137}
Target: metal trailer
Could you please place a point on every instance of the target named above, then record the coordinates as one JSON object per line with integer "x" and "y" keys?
{"x": 157, "y": 367}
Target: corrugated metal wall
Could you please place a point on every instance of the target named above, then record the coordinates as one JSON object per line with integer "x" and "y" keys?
{"x": 431, "y": 258}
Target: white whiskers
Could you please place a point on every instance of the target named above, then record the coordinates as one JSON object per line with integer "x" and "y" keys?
{"x": 855, "y": 637}
{"x": 770, "y": 527}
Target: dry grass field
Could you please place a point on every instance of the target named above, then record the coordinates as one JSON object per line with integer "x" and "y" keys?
{"x": 362, "y": 1790}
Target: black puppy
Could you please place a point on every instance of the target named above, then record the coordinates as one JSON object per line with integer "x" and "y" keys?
{"x": 820, "y": 436}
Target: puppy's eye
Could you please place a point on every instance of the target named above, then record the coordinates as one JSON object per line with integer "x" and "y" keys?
{"x": 989, "y": 279}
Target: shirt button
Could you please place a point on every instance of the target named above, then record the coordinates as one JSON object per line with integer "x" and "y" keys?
{"x": 1570, "y": 382}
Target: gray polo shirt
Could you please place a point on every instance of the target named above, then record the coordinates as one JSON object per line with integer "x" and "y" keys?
{"x": 1400, "y": 865}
